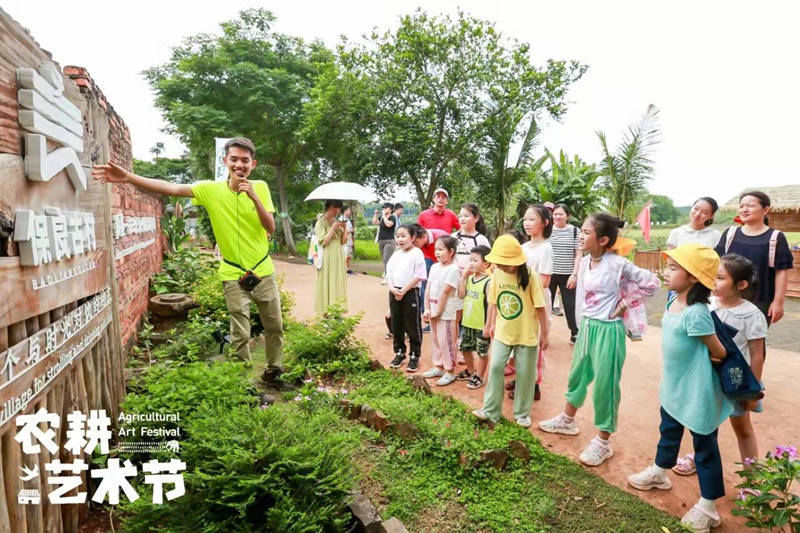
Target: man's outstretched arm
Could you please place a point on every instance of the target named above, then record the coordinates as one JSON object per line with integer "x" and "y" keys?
{"x": 116, "y": 174}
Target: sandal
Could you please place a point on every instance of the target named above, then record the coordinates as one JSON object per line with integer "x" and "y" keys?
{"x": 509, "y": 370}
{"x": 511, "y": 394}
{"x": 685, "y": 465}
{"x": 511, "y": 384}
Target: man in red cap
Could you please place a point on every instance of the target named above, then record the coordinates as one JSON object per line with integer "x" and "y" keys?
{"x": 438, "y": 216}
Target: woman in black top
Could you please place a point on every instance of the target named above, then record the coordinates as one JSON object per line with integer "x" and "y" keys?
{"x": 752, "y": 241}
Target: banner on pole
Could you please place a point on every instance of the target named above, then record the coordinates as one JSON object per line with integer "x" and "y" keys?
{"x": 220, "y": 171}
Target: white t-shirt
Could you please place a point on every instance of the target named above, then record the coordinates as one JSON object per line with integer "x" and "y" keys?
{"x": 683, "y": 234}
{"x": 600, "y": 286}
{"x": 349, "y": 230}
{"x": 440, "y": 276}
{"x": 405, "y": 265}
{"x": 539, "y": 257}
{"x": 748, "y": 319}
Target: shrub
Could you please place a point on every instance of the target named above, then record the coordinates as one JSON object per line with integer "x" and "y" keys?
{"x": 180, "y": 270}
{"x": 771, "y": 502}
{"x": 281, "y": 468}
{"x": 366, "y": 232}
{"x": 190, "y": 341}
{"x": 325, "y": 346}
{"x": 367, "y": 250}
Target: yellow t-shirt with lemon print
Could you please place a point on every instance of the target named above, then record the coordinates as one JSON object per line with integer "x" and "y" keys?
{"x": 516, "y": 322}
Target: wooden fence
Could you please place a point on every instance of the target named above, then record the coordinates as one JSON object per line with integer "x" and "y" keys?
{"x": 652, "y": 260}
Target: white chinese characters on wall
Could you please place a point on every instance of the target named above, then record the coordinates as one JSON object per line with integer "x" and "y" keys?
{"x": 53, "y": 235}
{"x": 47, "y": 114}
{"x": 130, "y": 225}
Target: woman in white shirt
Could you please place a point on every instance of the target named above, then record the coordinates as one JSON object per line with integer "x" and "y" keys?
{"x": 699, "y": 228}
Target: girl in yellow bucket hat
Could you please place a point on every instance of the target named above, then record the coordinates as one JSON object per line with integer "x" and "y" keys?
{"x": 516, "y": 315}
{"x": 690, "y": 393}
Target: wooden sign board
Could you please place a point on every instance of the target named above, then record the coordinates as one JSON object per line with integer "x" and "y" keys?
{"x": 29, "y": 367}
{"x": 46, "y": 189}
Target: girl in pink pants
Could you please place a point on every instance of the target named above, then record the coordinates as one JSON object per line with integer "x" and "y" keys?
{"x": 441, "y": 304}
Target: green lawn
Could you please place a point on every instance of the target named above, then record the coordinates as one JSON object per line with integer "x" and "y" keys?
{"x": 365, "y": 250}
{"x": 434, "y": 483}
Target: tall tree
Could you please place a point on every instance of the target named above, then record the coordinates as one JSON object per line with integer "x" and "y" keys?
{"x": 626, "y": 171}
{"x": 408, "y": 105}
{"x": 249, "y": 81}
{"x": 569, "y": 181}
{"x": 502, "y": 177}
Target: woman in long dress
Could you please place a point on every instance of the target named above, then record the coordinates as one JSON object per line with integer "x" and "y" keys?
{"x": 332, "y": 277}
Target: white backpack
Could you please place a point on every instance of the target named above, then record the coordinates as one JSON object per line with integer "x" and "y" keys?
{"x": 773, "y": 243}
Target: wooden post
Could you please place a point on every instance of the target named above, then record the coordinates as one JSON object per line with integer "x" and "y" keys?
{"x": 69, "y": 513}
{"x": 33, "y": 513}
{"x": 55, "y": 398}
{"x": 17, "y": 333}
{"x": 5, "y": 520}
{"x": 12, "y": 460}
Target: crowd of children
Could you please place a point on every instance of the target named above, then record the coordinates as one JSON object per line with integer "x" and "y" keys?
{"x": 489, "y": 304}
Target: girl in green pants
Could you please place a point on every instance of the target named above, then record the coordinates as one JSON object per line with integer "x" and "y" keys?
{"x": 600, "y": 348}
{"x": 516, "y": 316}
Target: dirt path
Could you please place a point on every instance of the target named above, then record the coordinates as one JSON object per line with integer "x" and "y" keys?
{"x": 635, "y": 443}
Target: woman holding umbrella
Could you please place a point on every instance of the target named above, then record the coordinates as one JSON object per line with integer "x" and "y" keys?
{"x": 332, "y": 276}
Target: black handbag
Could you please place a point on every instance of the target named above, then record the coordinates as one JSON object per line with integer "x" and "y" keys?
{"x": 735, "y": 375}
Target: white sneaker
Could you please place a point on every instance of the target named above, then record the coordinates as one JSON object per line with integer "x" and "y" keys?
{"x": 383, "y": 282}
{"x": 446, "y": 380}
{"x": 596, "y": 453}
{"x": 480, "y": 414}
{"x": 524, "y": 421}
{"x": 700, "y": 521}
{"x": 559, "y": 424}
{"x": 434, "y": 372}
{"x": 649, "y": 478}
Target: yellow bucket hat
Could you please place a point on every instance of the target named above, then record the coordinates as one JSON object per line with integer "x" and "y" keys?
{"x": 698, "y": 260}
{"x": 506, "y": 251}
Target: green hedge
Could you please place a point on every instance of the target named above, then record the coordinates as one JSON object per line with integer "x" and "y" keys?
{"x": 280, "y": 468}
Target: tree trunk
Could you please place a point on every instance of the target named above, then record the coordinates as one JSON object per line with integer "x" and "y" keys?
{"x": 284, "y": 206}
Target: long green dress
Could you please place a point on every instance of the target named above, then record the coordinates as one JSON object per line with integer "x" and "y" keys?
{"x": 332, "y": 277}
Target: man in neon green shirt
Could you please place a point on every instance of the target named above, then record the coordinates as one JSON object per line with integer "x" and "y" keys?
{"x": 241, "y": 214}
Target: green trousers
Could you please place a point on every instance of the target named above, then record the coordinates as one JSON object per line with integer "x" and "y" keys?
{"x": 599, "y": 355}
{"x": 525, "y": 357}
{"x": 267, "y": 298}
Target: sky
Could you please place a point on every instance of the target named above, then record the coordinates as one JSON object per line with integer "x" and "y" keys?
{"x": 724, "y": 74}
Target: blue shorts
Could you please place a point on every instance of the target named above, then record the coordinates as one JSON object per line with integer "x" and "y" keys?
{"x": 739, "y": 411}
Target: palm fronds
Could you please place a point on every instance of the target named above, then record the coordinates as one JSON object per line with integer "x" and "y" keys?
{"x": 626, "y": 171}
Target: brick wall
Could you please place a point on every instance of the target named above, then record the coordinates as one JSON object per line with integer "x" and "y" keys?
{"x": 133, "y": 270}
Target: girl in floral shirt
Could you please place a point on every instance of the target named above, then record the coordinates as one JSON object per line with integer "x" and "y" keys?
{"x": 600, "y": 349}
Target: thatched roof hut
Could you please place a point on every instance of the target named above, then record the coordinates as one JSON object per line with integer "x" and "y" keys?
{"x": 785, "y": 213}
